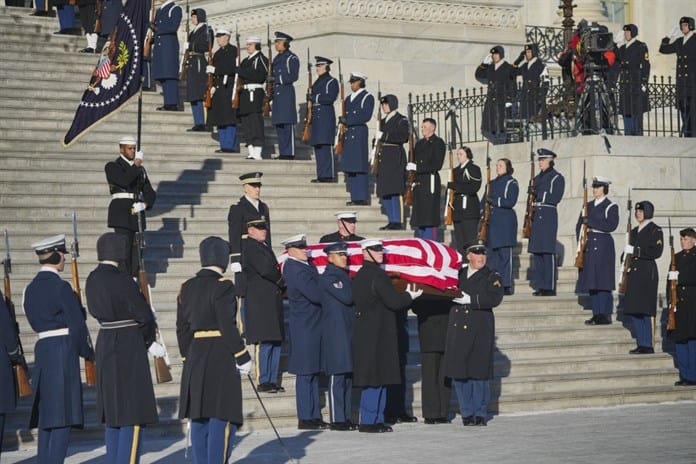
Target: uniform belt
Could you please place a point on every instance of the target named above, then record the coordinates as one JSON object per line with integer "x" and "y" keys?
{"x": 54, "y": 333}
{"x": 544, "y": 204}
{"x": 207, "y": 334}
{"x": 392, "y": 144}
{"x": 253, "y": 86}
{"x": 597, "y": 231}
{"x": 123, "y": 196}
{"x": 118, "y": 324}
{"x": 196, "y": 54}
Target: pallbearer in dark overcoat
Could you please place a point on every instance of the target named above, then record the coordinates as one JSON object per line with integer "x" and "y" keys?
{"x": 634, "y": 71}
{"x": 214, "y": 355}
{"x": 125, "y": 396}
{"x": 199, "y": 41}
{"x": 499, "y": 76}
{"x": 429, "y": 154}
{"x": 323, "y": 128}
{"x": 685, "y": 80}
{"x": 466, "y": 210}
{"x": 684, "y": 333}
{"x": 165, "y": 53}
{"x": 54, "y": 313}
{"x": 9, "y": 356}
{"x": 599, "y": 260}
{"x": 286, "y": 71}
{"x": 471, "y": 336}
{"x": 221, "y": 113}
{"x": 253, "y": 70}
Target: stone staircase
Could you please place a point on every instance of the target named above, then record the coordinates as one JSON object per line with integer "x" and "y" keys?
{"x": 547, "y": 359}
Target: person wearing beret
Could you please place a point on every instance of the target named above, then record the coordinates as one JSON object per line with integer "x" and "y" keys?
{"x": 323, "y": 94}
{"x": 684, "y": 333}
{"x": 165, "y": 53}
{"x": 214, "y": 355}
{"x": 286, "y": 71}
{"x": 125, "y": 395}
{"x": 346, "y": 221}
{"x": 221, "y": 113}
{"x": 499, "y": 76}
{"x": 253, "y": 70}
{"x": 55, "y": 314}
{"x": 634, "y": 71}
{"x": 597, "y": 276}
{"x": 683, "y": 44}
{"x": 646, "y": 244}
{"x": 200, "y": 39}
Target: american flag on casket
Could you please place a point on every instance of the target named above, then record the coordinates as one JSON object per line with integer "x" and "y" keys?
{"x": 414, "y": 259}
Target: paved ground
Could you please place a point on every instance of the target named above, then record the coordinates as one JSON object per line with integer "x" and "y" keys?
{"x": 663, "y": 433}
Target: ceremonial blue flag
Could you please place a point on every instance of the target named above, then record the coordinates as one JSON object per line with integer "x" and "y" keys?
{"x": 116, "y": 78}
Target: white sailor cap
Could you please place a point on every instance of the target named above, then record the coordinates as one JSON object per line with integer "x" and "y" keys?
{"x": 253, "y": 39}
{"x": 372, "y": 244}
{"x": 296, "y": 241}
{"x": 599, "y": 181}
{"x": 127, "y": 140}
{"x": 347, "y": 215}
{"x": 222, "y": 31}
{"x": 50, "y": 244}
{"x": 356, "y": 76}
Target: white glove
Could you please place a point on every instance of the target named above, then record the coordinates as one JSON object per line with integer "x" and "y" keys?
{"x": 138, "y": 206}
{"x": 464, "y": 299}
{"x": 236, "y": 267}
{"x": 643, "y": 88}
{"x": 673, "y": 275}
{"x": 411, "y": 290}
{"x": 379, "y": 134}
{"x": 186, "y": 45}
{"x": 245, "y": 368}
{"x": 675, "y": 32}
{"x": 139, "y": 155}
{"x": 156, "y": 350}
{"x": 210, "y": 69}
{"x": 411, "y": 166}
{"x": 488, "y": 59}
{"x": 628, "y": 249}
{"x": 619, "y": 39}
{"x": 508, "y": 105}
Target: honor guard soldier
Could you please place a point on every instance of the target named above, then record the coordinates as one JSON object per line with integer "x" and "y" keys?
{"x": 535, "y": 85}
{"x": 471, "y": 336}
{"x": 165, "y": 53}
{"x": 131, "y": 194}
{"x": 304, "y": 301}
{"x": 684, "y": 333}
{"x": 466, "y": 209}
{"x": 66, "y": 16}
{"x": 262, "y": 286}
{"x": 685, "y": 48}
{"x": 502, "y": 226}
{"x": 375, "y": 345}
{"x": 253, "y": 70}
{"x": 499, "y": 76}
{"x": 393, "y": 132}
{"x": 55, "y": 314}
{"x": 336, "y": 331}
{"x": 323, "y": 128}
{"x": 88, "y": 19}
{"x": 248, "y": 207}
{"x": 221, "y": 113}
{"x": 10, "y": 356}
{"x": 286, "y": 70}
{"x": 549, "y": 185}
{"x": 354, "y": 161}
{"x": 125, "y": 396}
{"x": 429, "y": 155}
{"x": 211, "y": 346}
{"x": 347, "y": 223}
{"x": 597, "y": 274}
{"x": 200, "y": 39}
{"x": 634, "y": 71}
{"x": 110, "y": 12}
{"x": 640, "y": 301}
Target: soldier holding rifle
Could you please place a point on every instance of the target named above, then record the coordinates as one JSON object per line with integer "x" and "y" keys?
{"x": 466, "y": 211}
{"x": 323, "y": 127}
{"x": 165, "y": 53}
{"x": 194, "y": 66}
{"x": 221, "y": 113}
{"x": 88, "y": 19}
{"x": 254, "y": 71}
{"x": 125, "y": 396}
{"x": 55, "y": 314}
{"x": 684, "y": 333}
{"x": 286, "y": 70}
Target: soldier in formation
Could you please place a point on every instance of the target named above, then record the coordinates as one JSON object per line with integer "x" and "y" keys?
{"x": 323, "y": 94}
{"x": 165, "y": 53}
{"x": 499, "y": 76}
{"x": 466, "y": 210}
{"x": 253, "y": 70}
{"x": 10, "y": 356}
{"x": 684, "y": 333}
{"x": 634, "y": 71}
{"x": 221, "y": 113}
{"x": 286, "y": 71}
{"x": 199, "y": 41}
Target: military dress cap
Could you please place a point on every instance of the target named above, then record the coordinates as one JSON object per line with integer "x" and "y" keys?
{"x": 632, "y": 28}
{"x": 347, "y": 215}
{"x": 127, "y": 140}
{"x": 50, "y": 244}
{"x": 688, "y": 232}
{"x": 200, "y": 14}
{"x": 478, "y": 248}
{"x": 253, "y": 39}
{"x": 357, "y": 76}
{"x": 533, "y": 47}
{"x": 647, "y": 207}
{"x": 390, "y": 100}
{"x": 688, "y": 20}
{"x": 600, "y": 181}
{"x": 222, "y": 31}
{"x": 371, "y": 244}
{"x": 499, "y": 50}
{"x": 112, "y": 247}
{"x": 251, "y": 178}
{"x": 257, "y": 222}
{"x": 322, "y": 60}
{"x": 296, "y": 241}
{"x": 338, "y": 247}
{"x": 283, "y": 36}
{"x": 214, "y": 251}
{"x": 545, "y": 153}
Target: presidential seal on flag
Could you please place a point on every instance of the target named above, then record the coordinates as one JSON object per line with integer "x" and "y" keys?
{"x": 105, "y": 75}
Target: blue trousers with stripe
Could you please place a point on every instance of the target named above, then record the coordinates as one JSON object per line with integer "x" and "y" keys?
{"x": 325, "y": 161}
{"x": 340, "y": 399}
{"x": 212, "y": 440}
{"x": 500, "y": 260}
{"x": 545, "y": 271}
{"x": 473, "y": 396}
{"x": 123, "y": 444}
{"x": 373, "y": 400}
{"x": 286, "y": 139}
{"x": 394, "y": 207}
{"x": 358, "y": 186}
{"x": 642, "y": 329}
{"x": 686, "y": 360}
{"x": 268, "y": 362}
{"x": 307, "y": 397}
{"x": 53, "y": 445}
{"x": 602, "y": 302}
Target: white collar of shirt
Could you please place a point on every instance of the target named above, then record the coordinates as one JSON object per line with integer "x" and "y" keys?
{"x": 213, "y": 268}
{"x": 299, "y": 260}
{"x": 531, "y": 62}
{"x": 687, "y": 36}
{"x": 642, "y": 225}
{"x": 599, "y": 200}
{"x": 389, "y": 116}
{"x": 167, "y": 3}
{"x": 49, "y": 269}
{"x": 110, "y": 263}
{"x": 499, "y": 63}
{"x": 465, "y": 163}
{"x": 256, "y": 52}
{"x": 198, "y": 26}
{"x": 253, "y": 202}
{"x": 130, "y": 162}
{"x": 470, "y": 272}
{"x": 630, "y": 42}
{"x": 354, "y": 95}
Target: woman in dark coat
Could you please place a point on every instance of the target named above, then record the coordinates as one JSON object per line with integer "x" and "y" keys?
{"x": 200, "y": 40}
{"x": 684, "y": 333}
{"x": 640, "y": 302}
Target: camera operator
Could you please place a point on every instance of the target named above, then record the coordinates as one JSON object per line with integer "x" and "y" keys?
{"x": 634, "y": 70}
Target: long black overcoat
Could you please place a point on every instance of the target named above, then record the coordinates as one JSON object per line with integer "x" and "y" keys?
{"x": 641, "y": 295}
{"x": 429, "y": 155}
{"x": 686, "y": 297}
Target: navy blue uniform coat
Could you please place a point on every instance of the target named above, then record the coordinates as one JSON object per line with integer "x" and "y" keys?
{"x": 641, "y": 294}
{"x": 337, "y": 320}
{"x": 165, "y": 47}
{"x": 324, "y": 94}
{"x": 286, "y": 70}
{"x": 391, "y": 179}
{"x": 237, "y": 218}
{"x": 501, "y": 89}
{"x": 548, "y": 192}
{"x": 126, "y": 178}
{"x": 359, "y": 108}
{"x": 686, "y": 297}
{"x": 634, "y": 71}
{"x": 502, "y": 226}
{"x": 599, "y": 261}
{"x": 533, "y": 92}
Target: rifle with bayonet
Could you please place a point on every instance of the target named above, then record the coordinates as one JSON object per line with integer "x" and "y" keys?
{"x": 377, "y": 141}
{"x": 269, "y": 81}
{"x": 483, "y": 230}
{"x": 208, "y": 100}
{"x": 672, "y": 308}
{"x": 529, "y": 213}
{"x": 411, "y": 180}
{"x": 90, "y": 366}
{"x": 238, "y": 84}
{"x": 183, "y": 68}
{"x": 341, "y": 126}
{"x": 582, "y": 239}
{"x": 626, "y": 264}
{"x": 147, "y": 50}
{"x": 20, "y": 364}
{"x": 306, "y": 133}
{"x": 449, "y": 207}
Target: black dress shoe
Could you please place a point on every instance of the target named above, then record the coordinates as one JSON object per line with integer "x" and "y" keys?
{"x": 544, "y": 293}
{"x": 285, "y": 157}
{"x": 395, "y": 226}
{"x": 436, "y": 420}
{"x": 468, "y": 420}
{"x": 374, "y": 428}
{"x": 197, "y": 129}
{"x": 642, "y": 350}
{"x": 603, "y": 319}
{"x": 357, "y": 203}
{"x": 352, "y": 425}
{"x": 324, "y": 180}
{"x": 266, "y": 388}
{"x": 87, "y": 50}
{"x": 340, "y": 426}
{"x": 403, "y": 419}
{"x": 592, "y": 320}
{"x": 278, "y": 388}
{"x": 311, "y": 425}
{"x": 168, "y": 108}
{"x": 480, "y": 421}
{"x": 223, "y": 150}
{"x": 385, "y": 227}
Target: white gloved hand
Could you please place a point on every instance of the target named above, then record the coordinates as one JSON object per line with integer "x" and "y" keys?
{"x": 508, "y": 105}
{"x": 411, "y": 290}
{"x": 156, "y": 350}
{"x": 210, "y": 69}
{"x": 245, "y": 368}
{"x": 138, "y": 206}
{"x": 488, "y": 59}
{"x": 139, "y": 155}
{"x": 186, "y": 45}
{"x": 628, "y": 249}
{"x": 675, "y": 32}
{"x": 643, "y": 88}
{"x": 411, "y": 167}
{"x": 464, "y": 299}
{"x": 379, "y": 134}
{"x": 236, "y": 267}
{"x": 673, "y": 275}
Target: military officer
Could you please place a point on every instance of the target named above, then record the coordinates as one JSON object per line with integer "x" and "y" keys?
{"x": 394, "y": 130}
{"x": 347, "y": 223}
{"x": 210, "y": 345}
{"x": 131, "y": 194}
{"x": 466, "y": 209}
{"x": 375, "y": 346}
{"x": 56, "y": 316}
{"x": 471, "y": 336}
{"x": 535, "y": 84}
{"x": 10, "y": 356}
{"x": 685, "y": 49}
{"x": 354, "y": 160}
{"x": 429, "y": 154}
{"x": 502, "y": 225}
{"x": 286, "y": 70}
{"x": 200, "y": 40}
{"x": 634, "y": 71}
{"x": 323, "y": 128}
{"x": 499, "y": 76}
{"x": 684, "y": 334}
{"x": 88, "y": 17}
{"x": 125, "y": 396}
{"x": 597, "y": 274}
{"x": 221, "y": 113}
{"x": 640, "y": 301}
{"x": 549, "y": 185}
{"x": 165, "y": 53}
{"x": 253, "y": 70}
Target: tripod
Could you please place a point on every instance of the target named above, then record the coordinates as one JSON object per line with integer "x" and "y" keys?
{"x": 595, "y": 111}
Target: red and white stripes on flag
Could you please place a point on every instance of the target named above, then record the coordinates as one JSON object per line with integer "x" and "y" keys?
{"x": 104, "y": 69}
{"x": 414, "y": 259}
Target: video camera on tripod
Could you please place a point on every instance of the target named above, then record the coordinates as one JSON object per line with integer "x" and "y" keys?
{"x": 594, "y": 42}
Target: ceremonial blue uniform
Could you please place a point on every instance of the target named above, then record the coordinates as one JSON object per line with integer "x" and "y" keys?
{"x": 355, "y": 162}
{"x": 323, "y": 127}
{"x": 502, "y": 227}
{"x": 55, "y": 314}
{"x": 165, "y": 51}
{"x": 337, "y": 328}
{"x": 286, "y": 70}
{"x": 302, "y": 280}
{"x": 548, "y": 192}
{"x": 597, "y": 276}
{"x": 9, "y": 353}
